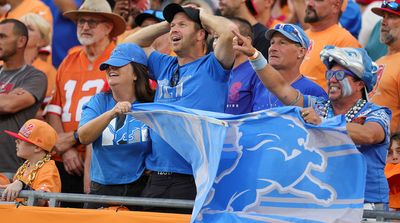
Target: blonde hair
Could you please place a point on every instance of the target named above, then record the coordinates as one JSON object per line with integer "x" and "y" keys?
{"x": 44, "y": 27}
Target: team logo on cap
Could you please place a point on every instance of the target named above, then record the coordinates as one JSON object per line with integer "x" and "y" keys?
{"x": 26, "y": 130}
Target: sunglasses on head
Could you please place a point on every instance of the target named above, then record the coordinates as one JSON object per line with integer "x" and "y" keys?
{"x": 391, "y": 5}
{"x": 292, "y": 30}
{"x": 339, "y": 74}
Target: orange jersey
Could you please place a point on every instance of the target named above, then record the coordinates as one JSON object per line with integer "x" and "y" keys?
{"x": 51, "y": 73}
{"x": 392, "y": 173}
{"x": 388, "y": 87}
{"x": 77, "y": 81}
{"x": 26, "y": 6}
{"x": 312, "y": 66}
{"x": 47, "y": 178}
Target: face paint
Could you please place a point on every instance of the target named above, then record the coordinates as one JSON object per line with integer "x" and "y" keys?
{"x": 346, "y": 88}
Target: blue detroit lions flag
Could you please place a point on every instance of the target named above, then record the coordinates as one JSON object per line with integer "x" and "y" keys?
{"x": 267, "y": 166}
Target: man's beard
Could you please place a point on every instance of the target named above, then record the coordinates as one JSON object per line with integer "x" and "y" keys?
{"x": 311, "y": 18}
{"x": 387, "y": 38}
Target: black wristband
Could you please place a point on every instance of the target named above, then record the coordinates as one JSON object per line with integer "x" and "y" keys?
{"x": 76, "y": 137}
{"x": 23, "y": 184}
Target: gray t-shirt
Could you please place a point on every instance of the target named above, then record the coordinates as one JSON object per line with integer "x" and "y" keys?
{"x": 33, "y": 81}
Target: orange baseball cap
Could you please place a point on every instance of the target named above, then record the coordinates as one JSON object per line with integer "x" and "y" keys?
{"x": 38, "y": 133}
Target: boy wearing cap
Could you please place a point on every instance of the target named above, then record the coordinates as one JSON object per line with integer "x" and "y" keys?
{"x": 351, "y": 75}
{"x": 35, "y": 141}
{"x": 388, "y": 86}
{"x": 120, "y": 142}
{"x": 191, "y": 79}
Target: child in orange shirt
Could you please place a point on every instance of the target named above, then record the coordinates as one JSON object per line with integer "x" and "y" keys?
{"x": 392, "y": 171}
{"x": 35, "y": 141}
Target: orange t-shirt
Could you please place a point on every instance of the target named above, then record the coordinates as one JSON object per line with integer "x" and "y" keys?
{"x": 388, "y": 87}
{"x": 26, "y": 6}
{"x": 47, "y": 178}
{"x": 392, "y": 173}
{"x": 312, "y": 66}
{"x": 51, "y": 73}
{"x": 77, "y": 81}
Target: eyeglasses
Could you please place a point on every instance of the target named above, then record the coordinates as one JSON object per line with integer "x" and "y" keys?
{"x": 293, "y": 31}
{"x": 391, "y": 5}
{"x": 91, "y": 22}
{"x": 339, "y": 74}
{"x": 175, "y": 78}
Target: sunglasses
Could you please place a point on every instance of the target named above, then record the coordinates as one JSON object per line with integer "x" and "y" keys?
{"x": 91, "y": 22}
{"x": 158, "y": 14}
{"x": 391, "y": 5}
{"x": 292, "y": 30}
{"x": 339, "y": 74}
{"x": 175, "y": 78}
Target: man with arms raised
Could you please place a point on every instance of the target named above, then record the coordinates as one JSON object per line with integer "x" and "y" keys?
{"x": 190, "y": 79}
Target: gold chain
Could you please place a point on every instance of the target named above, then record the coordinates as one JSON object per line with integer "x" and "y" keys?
{"x": 32, "y": 174}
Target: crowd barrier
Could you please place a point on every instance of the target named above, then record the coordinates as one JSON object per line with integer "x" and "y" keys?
{"x": 13, "y": 212}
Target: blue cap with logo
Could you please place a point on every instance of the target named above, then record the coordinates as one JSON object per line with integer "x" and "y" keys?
{"x": 290, "y": 31}
{"x": 123, "y": 54}
{"x": 354, "y": 59}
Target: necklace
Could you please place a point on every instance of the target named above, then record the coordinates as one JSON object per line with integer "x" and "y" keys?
{"x": 4, "y": 84}
{"x": 20, "y": 173}
{"x": 350, "y": 114}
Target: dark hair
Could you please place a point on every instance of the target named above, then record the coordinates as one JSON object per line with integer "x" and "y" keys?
{"x": 18, "y": 29}
{"x": 245, "y": 28}
{"x": 394, "y": 137}
{"x": 143, "y": 91}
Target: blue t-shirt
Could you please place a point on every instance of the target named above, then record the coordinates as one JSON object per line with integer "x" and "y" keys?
{"x": 242, "y": 87}
{"x": 351, "y": 18}
{"x": 203, "y": 84}
{"x": 377, "y": 189}
{"x": 118, "y": 155}
{"x": 266, "y": 100}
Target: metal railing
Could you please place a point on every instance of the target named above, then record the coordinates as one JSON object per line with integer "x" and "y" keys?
{"x": 53, "y": 198}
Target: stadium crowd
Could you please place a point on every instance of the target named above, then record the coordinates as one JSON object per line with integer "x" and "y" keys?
{"x": 71, "y": 69}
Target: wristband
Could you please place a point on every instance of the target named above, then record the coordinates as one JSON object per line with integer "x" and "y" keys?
{"x": 254, "y": 56}
{"x": 23, "y": 184}
{"x": 296, "y": 99}
{"x": 259, "y": 63}
{"x": 76, "y": 137}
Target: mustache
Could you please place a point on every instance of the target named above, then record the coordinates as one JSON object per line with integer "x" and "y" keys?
{"x": 310, "y": 9}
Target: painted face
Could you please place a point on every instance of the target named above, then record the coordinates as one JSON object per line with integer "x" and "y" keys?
{"x": 117, "y": 76}
{"x": 283, "y": 53}
{"x": 183, "y": 33}
{"x": 8, "y": 41}
{"x": 390, "y": 29}
{"x": 229, "y": 7}
{"x": 338, "y": 89}
{"x": 24, "y": 149}
{"x": 92, "y": 29}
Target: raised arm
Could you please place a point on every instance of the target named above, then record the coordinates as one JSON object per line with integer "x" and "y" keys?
{"x": 270, "y": 77}
{"x": 146, "y": 36}
{"x": 223, "y": 28}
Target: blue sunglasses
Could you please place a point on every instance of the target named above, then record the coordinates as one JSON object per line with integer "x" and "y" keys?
{"x": 339, "y": 74}
{"x": 293, "y": 31}
{"x": 391, "y": 5}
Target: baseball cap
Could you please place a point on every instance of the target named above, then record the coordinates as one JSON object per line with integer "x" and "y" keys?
{"x": 354, "y": 59}
{"x": 290, "y": 31}
{"x": 123, "y": 54}
{"x": 392, "y": 7}
{"x": 38, "y": 133}
{"x": 173, "y": 8}
{"x": 157, "y": 15}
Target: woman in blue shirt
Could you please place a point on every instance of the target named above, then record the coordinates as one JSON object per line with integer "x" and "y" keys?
{"x": 120, "y": 142}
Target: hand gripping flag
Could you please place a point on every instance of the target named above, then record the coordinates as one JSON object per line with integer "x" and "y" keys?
{"x": 267, "y": 166}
